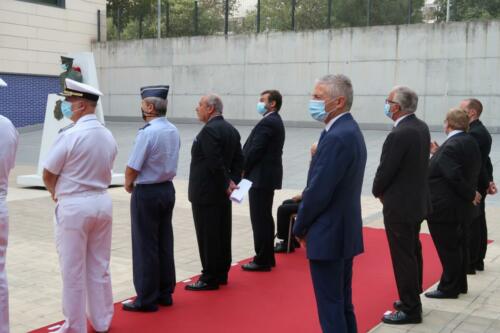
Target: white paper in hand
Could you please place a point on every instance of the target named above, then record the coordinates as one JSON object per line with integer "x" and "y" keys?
{"x": 239, "y": 194}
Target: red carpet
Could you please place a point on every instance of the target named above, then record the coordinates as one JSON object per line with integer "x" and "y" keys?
{"x": 280, "y": 301}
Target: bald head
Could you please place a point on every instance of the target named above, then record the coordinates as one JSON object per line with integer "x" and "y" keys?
{"x": 473, "y": 107}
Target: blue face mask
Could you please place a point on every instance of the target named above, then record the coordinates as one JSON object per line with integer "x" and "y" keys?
{"x": 66, "y": 109}
{"x": 387, "y": 110}
{"x": 261, "y": 108}
{"x": 64, "y": 67}
{"x": 317, "y": 110}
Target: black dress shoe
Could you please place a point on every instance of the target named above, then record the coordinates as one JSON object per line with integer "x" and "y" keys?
{"x": 165, "y": 301}
{"x": 401, "y": 318}
{"x": 253, "y": 267}
{"x": 201, "y": 285}
{"x": 479, "y": 266}
{"x": 295, "y": 244}
{"x": 397, "y": 305}
{"x": 135, "y": 308}
{"x": 439, "y": 294}
{"x": 281, "y": 247}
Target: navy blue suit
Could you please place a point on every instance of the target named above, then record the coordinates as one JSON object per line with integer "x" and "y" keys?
{"x": 329, "y": 218}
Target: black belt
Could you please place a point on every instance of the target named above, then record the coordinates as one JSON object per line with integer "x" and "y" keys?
{"x": 154, "y": 184}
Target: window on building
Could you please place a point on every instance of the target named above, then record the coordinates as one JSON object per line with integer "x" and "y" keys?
{"x": 58, "y": 3}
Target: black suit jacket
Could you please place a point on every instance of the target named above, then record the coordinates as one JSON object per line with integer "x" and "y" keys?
{"x": 483, "y": 139}
{"x": 453, "y": 174}
{"x": 216, "y": 159}
{"x": 263, "y": 151}
{"x": 401, "y": 178}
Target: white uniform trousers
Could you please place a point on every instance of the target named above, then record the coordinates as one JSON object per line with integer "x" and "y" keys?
{"x": 4, "y": 291}
{"x": 83, "y": 240}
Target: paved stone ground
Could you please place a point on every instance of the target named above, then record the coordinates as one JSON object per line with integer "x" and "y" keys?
{"x": 33, "y": 269}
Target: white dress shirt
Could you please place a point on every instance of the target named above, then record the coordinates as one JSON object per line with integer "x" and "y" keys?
{"x": 8, "y": 148}
{"x": 332, "y": 121}
{"x": 401, "y": 119}
{"x": 83, "y": 157}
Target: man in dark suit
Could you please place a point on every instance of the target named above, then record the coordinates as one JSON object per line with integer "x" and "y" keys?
{"x": 401, "y": 184}
{"x": 485, "y": 185}
{"x": 329, "y": 217}
{"x": 285, "y": 211}
{"x": 216, "y": 165}
{"x": 453, "y": 171}
{"x": 264, "y": 168}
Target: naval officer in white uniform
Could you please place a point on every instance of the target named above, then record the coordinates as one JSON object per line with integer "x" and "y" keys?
{"x": 8, "y": 148}
{"x": 77, "y": 172}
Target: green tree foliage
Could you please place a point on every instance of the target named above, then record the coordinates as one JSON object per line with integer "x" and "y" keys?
{"x": 313, "y": 14}
{"x": 131, "y": 19}
{"x": 466, "y": 10}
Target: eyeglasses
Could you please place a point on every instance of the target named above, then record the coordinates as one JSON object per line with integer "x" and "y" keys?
{"x": 391, "y": 102}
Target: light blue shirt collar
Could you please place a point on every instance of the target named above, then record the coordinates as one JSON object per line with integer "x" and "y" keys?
{"x": 155, "y": 120}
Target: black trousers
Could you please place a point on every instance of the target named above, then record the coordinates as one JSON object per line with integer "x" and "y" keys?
{"x": 406, "y": 255}
{"x": 287, "y": 208}
{"x": 261, "y": 215}
{"x": 213, "y": 232}
{"x": 151, "y": 209}
{"x": 478, "y": 237}
{"x": 449, "y": 240}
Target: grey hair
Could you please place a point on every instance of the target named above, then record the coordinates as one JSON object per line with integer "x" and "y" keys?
{"x": 406, "y": 98}
{"x": 160, "y": 104}
{"x": 338, "y": 85}
{"x": 215, "y": 101}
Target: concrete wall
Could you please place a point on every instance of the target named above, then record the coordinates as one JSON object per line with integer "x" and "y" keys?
{"x": 33, "y": 36}
{"x": 444, "y": 63}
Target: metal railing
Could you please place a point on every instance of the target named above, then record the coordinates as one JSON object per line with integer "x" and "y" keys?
{"x": 130, "y": 19}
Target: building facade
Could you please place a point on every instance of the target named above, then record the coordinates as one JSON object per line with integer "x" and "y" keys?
{"x": 33, "y": 36}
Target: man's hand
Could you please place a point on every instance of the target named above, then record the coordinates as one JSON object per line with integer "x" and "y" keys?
{"x": 129, "y": 187}
{"x": 232, "y": 186}
{"x": 302, "y": 241}
{"x": 50, "y": 181}
{"x": 381, "y": 199}
{"x": 492, "y": 189}
{"x": 477, "y": 199}
{"x": 130, "y": 177}
{"x": 434, "y": 147}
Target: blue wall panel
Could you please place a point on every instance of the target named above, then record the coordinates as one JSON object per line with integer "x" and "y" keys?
{"x": 24, "y": 100}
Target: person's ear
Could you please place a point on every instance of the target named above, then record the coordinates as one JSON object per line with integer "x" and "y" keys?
{"x": 341, "y": 103}
{"x": 397, "y": 107}
{"x": 80, "y": 105}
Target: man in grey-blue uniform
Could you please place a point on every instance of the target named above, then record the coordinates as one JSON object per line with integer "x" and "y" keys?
{"x": 151, "y": 167}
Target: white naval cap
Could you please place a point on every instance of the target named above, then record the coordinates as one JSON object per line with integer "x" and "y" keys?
{"x": 3, "y": 83}
{"x": 77, "y": 89}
